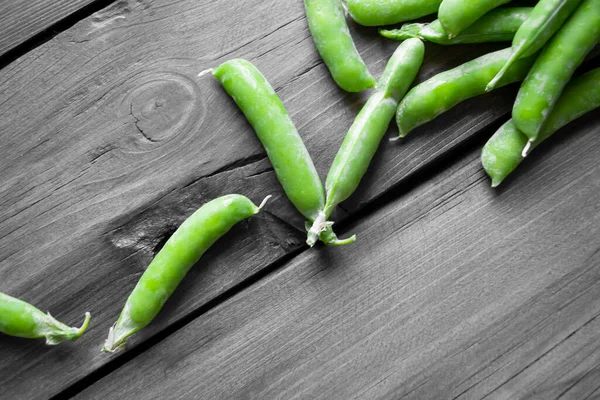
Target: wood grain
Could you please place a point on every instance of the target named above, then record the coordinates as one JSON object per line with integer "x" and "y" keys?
{"x": 453, "y": 291}
{"x": 109, "y": 140}
{"x": 22, "y": 20}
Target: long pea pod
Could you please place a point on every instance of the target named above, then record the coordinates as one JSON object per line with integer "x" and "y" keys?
{"x": 168, "y": 268}
{"x": 445, "y": 90}
{"x": 365, "y": 134}
{"x": 545, "y": 19}
{"x": 554, "y": 67}
{"x": 457, "y": 15}
{"x": 388, "y": 12}
{"x": 505, "y": 150}
{"x": 331, "y": 35}
{"x": 499, "y": 25}
{"x": 21, "y": 319}
{"x": 266, "y": 113}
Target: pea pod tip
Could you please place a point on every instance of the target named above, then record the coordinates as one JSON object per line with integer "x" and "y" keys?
{"x": 206, "y": 71}
{"x": 527, "y": 149}
{"x": 264, "y": 202}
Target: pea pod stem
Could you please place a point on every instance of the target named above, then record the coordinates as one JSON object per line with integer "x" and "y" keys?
{"x": 443, "y": 91}
{"x": 496, "y": 26}
{"x": 332, "y": 38}
{"x": 170, "y": 265}
{"x": 505, "y": 150}
{"x": 552, "y": 70}
{"x": 545, "y": 19}
{"x": 363, "y": 138}
{"x": 21, "y": 319}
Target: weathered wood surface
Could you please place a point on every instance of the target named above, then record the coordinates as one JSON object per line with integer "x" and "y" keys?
{"x": 454, "y": 291}
{"x": 109, "y": 141}
{"x": 22, "y": 20}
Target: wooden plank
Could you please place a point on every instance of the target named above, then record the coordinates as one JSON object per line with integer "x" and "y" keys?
{"x": 21, "y": 21}
{"x": 109, "y": 140}
{"x": 454, "y": 291}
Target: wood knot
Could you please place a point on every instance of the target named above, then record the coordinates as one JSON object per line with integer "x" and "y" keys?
{"x": 162, "y": 106}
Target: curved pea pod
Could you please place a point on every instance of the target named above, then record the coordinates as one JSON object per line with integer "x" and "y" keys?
{"x": 545, "y": 19}
{"x": 264, "y": 110}
{"x": 445, "y": 90}
{"x": 554, "y": 67}
{"x": 505, "y": 150}
{"x": 365, "y": 134}
{"x": 457, "y": 15}
{"x": 330, "y": 32}
{"x": 496, "y": 26}
{"x": 21, "y": 319}
{"x": 168, "y": 268}
{"x": 388, "y": 12}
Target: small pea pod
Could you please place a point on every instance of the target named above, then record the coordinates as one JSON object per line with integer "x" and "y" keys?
{"x": 21, "y": 319}
{"x": 332, "y": 37}
{"x": 555, "y": 66}
{"x": 365, "y": 134}
{"x": 506, "y": 148}
{"x": 457, "y": 15}
{"x": 388, "y": 12}
{"x": 168, "y": 268}
{"x": 498, "y": 25}
{"x": 445, "y": 90}
{"x": 545, "y": 19}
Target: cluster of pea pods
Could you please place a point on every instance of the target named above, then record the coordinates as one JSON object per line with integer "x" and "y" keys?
{"x": 549, "y": 41}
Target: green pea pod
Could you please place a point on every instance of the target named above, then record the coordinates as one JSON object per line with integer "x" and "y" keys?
{"x": 332, "y": 37}
{"x": 507, "y": 147}
{"x": 545, "y": 19}
{"x": 445, "y": 90}
{"x": 21, "y": 319}
{"x": 365, "y": 134}
{"x": 183, "y": 249}
{"x": 266, "y": 113}
{"x": 555, "y": 66}
{"x": 498, "y": 25}
{"x": 457, "y": 15}
{"x": 388, "y": 12}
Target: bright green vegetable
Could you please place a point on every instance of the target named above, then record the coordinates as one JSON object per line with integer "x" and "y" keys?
{"x": 545, "y": 19}
{"x": 555, "y": 66}
{"x": 496, "y": 26}
{"x": 334, "y": 43}
{"x": 183, "y": 249}
{"x": 365, "y": 134}
{"x": 21, "y": 319}
{"x": 457, "y": 15}
{"x": 388, "y": 12}
{"x": 445, "y": 90}
{"x": 507, "y": 147}
{"x": 276, "y": 131}
{"x": 264, "y": 110}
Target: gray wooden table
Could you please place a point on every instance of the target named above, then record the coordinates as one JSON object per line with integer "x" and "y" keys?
{"x": 452, "y": 291}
